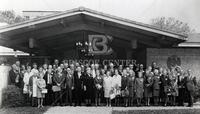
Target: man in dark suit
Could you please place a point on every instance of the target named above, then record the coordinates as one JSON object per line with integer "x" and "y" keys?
{"x": 190, "y": 88}
{"x": 14, "y": 76}
{"x": 59, "y": 80}
{"x": 48, "y": 77}
{"x": 78, "y": 86}
{"x": 181, "y": 88}
{"x": 69, "y": 86}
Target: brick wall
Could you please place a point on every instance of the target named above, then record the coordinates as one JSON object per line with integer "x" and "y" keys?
{"x": 189, "y": 58}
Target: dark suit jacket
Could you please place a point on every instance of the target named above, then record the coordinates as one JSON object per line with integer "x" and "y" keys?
{"x": 12, "y": 77}
{"x": 49, "y": 86}
{"x": 156, "y": 82}
{"x": 69, "y": 81}
{"x": 78, "y": 82}
{"x": 190, "y": 85}
{"x": 59, "y": 80}
{"x": 181, "y": 82}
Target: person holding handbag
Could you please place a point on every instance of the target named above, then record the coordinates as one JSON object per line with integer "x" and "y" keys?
{"x": 116, "y": 84}
{"x": 41, "y": 90}
{"x": 59, "y": 87}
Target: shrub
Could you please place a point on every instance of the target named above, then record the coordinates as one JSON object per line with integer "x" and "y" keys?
{"x": 12, "y": 97}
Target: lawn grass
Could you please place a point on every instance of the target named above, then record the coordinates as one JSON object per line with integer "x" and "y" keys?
{"x": 23, "y": 110}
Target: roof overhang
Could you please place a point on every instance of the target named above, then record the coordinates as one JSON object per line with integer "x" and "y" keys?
{"x": 84, "y": 19}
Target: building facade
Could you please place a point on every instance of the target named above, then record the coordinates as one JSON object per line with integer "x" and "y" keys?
{"x": 83, "y": 33}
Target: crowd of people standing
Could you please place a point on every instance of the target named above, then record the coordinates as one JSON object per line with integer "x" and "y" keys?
{"x": 111, "y": 85}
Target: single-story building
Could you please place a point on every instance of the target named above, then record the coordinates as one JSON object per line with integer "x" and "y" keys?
{"x": 82, "y": 33}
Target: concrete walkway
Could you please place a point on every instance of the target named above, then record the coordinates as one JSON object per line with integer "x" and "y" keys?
{"x": 79, "y": 110}
{"x": 106, "y": 110}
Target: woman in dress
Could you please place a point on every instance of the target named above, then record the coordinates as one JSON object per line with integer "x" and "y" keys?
{"x": 148, "y": 81}
{"x": 156, "y": 87}
{"x": 107, "y": 85}
{"x": 41, "y": 84}
{"x": 139, "y": 84}
{"x": 116, "y": 85}
{"x": 98, "y": 88}
{"x": 131, "y": 87}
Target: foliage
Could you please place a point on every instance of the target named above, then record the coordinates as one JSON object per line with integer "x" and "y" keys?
{"x": 12, "y": 97}
{"x": 10, "y": 17}
{"x": 172, "y": 24}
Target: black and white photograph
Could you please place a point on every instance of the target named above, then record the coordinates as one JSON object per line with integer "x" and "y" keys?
{"x": 99, "y": 57}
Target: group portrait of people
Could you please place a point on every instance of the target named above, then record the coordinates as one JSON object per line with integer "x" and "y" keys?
{"x": 76, "y": 84}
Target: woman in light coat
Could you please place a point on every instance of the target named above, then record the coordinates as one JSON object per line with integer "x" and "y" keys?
{"x": 107, "y": 85}
{"x": 116, "y": 85}
{"x": 26, "y": 87}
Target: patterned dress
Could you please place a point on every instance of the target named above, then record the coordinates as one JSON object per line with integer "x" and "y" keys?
{"x": 139, "y": 83}
{"x": 41, "y": 84}
{"x": 156, "y": 86}
{"x": 148, "y": 81}
{"x": 131, "y": 86}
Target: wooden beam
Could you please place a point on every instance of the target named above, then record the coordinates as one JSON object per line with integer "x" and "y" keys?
{"x": 62, "y": 37}
{"x": 50, "y": 32}
{"x": 4, "y": 37}
{"x": 123, "y": 35}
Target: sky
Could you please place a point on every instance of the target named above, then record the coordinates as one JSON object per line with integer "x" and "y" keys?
{"x": 136, "y": 10}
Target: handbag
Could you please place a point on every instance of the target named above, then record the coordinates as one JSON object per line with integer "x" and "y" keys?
{"x": 126, "y": 92}
{"x": 44, "y": 91}
{"x": 56, "y": 88}
{"x": 112, "y": 94}
{"x": 167, "y": 89}
{"x": 25, "y": 89}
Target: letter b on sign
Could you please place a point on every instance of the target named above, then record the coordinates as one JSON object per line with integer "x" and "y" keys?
{"x": 99, "y": 45}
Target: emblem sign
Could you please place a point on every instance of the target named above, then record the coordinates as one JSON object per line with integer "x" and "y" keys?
{"x": 99, "y": 44}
